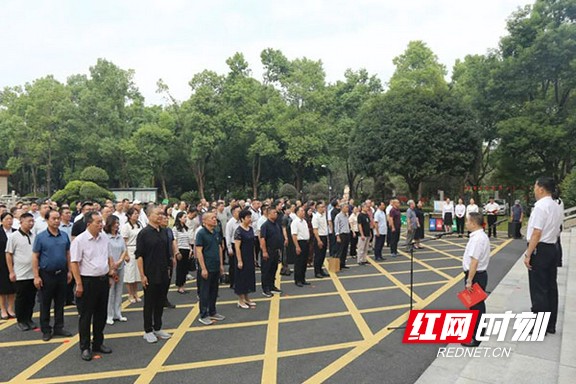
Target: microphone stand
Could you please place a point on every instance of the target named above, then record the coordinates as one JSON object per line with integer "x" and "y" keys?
{"x": 411, "y": 250}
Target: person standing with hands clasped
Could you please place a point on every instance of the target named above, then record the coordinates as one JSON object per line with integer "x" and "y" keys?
{"x": 93, "y": 271}
{"x": 475, "y": 263}
{"x": 541, "y": 257}
{"x": 154, "y": 264}
{"x": 51, "y": 267}
{"x": 301, "y": 237}
{"x": 245, "y": 282}
{"x": 211, "y": 262}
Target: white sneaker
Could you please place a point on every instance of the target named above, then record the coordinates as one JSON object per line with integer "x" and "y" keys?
{"x": 206, "y": 321}
{"x": 162, "y": 335}
{"x": 189, "y": 277}
{"x": 218, "y": 317}
{"x": 150, "y": 337}
{"x": 123, "y": 319}
{"x": 109, "y": 321}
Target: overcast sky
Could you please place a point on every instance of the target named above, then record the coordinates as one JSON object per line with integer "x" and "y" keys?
{"x": 174, "y": 39}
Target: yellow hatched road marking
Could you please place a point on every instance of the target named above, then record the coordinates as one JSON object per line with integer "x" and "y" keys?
{"x": 397, "y": 282}
{"x": 270, "y": 366}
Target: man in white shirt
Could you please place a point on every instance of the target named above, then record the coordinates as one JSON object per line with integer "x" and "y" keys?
{"x": 92, "y": 267}
{"x": 380, "y": 231}
{"x": 301, "y": 238}
{"x": 120, "y": 213}
{"x": 475, "y": 263}
{"x": 40, "y": 223}
{"x": 342, "y": 232}
{"x": 231, "y": 227}
{"x": 492, "y": 211}
{"x": 320, "y": 228}
{"x": 19, "y": 262}
{"x": 541, "y": 257}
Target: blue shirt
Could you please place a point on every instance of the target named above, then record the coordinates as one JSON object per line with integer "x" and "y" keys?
{"x": 52, "y": 250}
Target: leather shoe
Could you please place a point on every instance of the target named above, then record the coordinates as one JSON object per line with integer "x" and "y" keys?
{"x": 471, "y": 344}
{"x": 319, "y": 276}
{"x": 551, "y": 331}
{"x": 168, "y": 304}
{"x": 325, "y": 274}
{"x": 345, "y": 267}
{"x": 62, "y": 332}
{"x": 299, "y": 284}
{"x": 305, "y": 283}
{"x": 23, "y": 326}
{"x": 32, "y": 324}
{"x": 86, "y": 355}
{"x": 46, "y": 336}
{"x": 102, "y": 349}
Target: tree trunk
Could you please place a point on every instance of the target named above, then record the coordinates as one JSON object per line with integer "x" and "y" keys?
{"x": 49, "y": 171}
{"x": 198, "y": 170}
{"x": 413, "y": 186}
{"x": 164, "y": 190}
{"x": 33, "y": 174}
{"x": 256, "y": 167}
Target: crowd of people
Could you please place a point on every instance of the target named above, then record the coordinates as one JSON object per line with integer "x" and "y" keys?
{"x": 84, "y": 255}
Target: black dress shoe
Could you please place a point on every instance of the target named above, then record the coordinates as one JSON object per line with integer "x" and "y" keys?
{"x": 325, "y": 274}
{"x": 551, "y": 331}
{"x": 305, "y": 283}
{"x": 32, "y": 324}
{"x": 102, "y": 349}
{"x": 319, "y": 276}
{"x": 345, "y": 267}
{"x": 299, "y": 284}
{"x": 62, "y": 332}
{"x": 471, "y": 344}
{"x": 86, "y": 355}
{"x": 23, "y": 327}
{"x": 46, "y": 336}
{"x": 168, "y": 304}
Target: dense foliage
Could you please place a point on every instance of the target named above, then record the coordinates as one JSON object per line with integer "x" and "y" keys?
{"x": 503, "y": 118}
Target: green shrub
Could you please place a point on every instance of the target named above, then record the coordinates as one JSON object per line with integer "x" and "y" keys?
{"x": 289, "y": 191}
{"x": 568, "y": 189}
{"x": 94, "y": 174}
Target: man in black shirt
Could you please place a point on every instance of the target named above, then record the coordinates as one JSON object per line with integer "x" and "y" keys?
{"x": 271, "y": 243}
{"x": 154, "y": 264}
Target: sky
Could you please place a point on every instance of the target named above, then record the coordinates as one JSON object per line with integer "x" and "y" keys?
{"x": 175, "y": 39}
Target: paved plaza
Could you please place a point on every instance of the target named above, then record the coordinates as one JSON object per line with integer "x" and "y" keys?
{"x": 337, "y": 330}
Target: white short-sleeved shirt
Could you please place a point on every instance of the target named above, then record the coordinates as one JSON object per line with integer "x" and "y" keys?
{"x": 319, "y": 222}
{"x": 547, "y": 217}
{"x": 471, "y": 208}
{"x": 259, "y": 224}
{"x": 130, "y": 233}
{"x": 91, "y": 254}
{"x": 20, "y": 246}
{"x": 460, "y": 210}
{"x": 491, "y": 208}
{"x": 380, "y": 218}
{"x": 299, "y": 227}
{"x": 478, "y": 248}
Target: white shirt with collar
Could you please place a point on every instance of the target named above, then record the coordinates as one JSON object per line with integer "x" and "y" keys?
{"x": 299, "y": 227}
{"x": 492, "y": 209}
{"x": 460, "y": 210}
{"x": 471, "y": 208}
{"x": 40, "y": 225}
{"x": 231, "y": 227}
{"x": 20, "y": 246}
{"x": 91, "y": 254}
{"x": 319, "y": 222}
{"x": 478, "y": 248}
{"x": 547, "y": 217}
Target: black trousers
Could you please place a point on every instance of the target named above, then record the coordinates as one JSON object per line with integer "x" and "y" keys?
{"x": 301, "y": 262}
{"x": 333, "y": 246}
{"x": 491, "y": 227}
{"x": 481, "y": 277}
{"x": 269, "y": 268}
{"x": 542, "y": 280}
{"x": 319, "y": 254}
{"x": 256, "y": 248}
{"x": 343, "y": 248}
{"x": 154, "y": 299}
{"x": 354, "y": 243}
{"x": 460, "y": 225}
{"x": 208, "y": 294}
{"x": 182, "y": 267}
{"x": 378, "y": 245}
{"x": 54, "y": 288}
{"x": 24, "y": 303}
{"x": 93, "y": 310}
{"x": 394, "y": 239}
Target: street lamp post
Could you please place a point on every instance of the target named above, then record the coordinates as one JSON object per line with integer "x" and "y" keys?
{"x": 329, "y": 182}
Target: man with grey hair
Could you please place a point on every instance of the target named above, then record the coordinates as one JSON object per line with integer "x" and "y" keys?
{"x": 412, "y": 224}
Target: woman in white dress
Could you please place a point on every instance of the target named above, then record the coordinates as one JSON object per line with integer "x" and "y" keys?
{"x": 130, "y": 232}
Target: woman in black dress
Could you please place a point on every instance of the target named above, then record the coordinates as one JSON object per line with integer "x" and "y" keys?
{"x": 6, "y": 286}
{"x": 419, "y": 235}
{"x": 245, "y": 277}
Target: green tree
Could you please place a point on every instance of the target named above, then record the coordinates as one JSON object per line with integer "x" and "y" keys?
{"x": 94, "y": 174}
